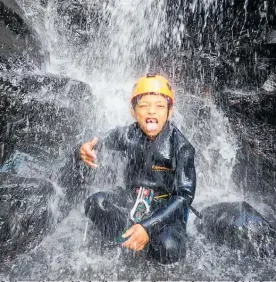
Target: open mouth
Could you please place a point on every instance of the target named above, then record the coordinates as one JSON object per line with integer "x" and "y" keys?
{"x": 151, "y": 120}
{"x": 152, "y": 124}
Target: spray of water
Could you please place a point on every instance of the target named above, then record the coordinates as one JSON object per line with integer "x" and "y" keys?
{"x": 119, "y": 44}
{"x": 107, "y": 47}
{"x": 110, "y": 38}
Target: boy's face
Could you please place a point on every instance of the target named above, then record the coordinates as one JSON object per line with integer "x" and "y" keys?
{"x": 151, "y": 113}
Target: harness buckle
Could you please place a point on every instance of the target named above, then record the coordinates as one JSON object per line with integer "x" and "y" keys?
{"x": 142, "y": 204}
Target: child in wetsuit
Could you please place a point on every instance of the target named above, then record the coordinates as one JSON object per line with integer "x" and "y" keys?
{"x": 160, "y": 178}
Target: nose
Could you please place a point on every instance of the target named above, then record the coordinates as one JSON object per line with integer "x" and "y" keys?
{"x": 152, "y": 109}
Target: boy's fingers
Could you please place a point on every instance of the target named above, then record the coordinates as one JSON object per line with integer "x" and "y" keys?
{"x": 93, "y": 154}
{"x": 87, "y": 152}
{"x": 129, "y": 232}
{"x": 86, "y": 149}
{"x": 133, "y": 246}
{"x": 90, "y": 163}
{"x": 128, "y": 242}
{"x": 89, "y": 155}
{"x": 93, "y": 142}
{"x": 139, "y": 247}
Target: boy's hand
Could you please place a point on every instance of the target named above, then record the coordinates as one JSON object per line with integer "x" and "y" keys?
{"x": 87, "y": 154}
{"x": 138, "y": 237}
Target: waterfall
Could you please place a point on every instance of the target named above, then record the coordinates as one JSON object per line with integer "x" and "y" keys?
{"x": 108, "y": 48}
{"x": 108, "y": 44}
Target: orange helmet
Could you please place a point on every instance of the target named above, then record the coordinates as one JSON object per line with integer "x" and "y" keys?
{"x": 152, "y": 83}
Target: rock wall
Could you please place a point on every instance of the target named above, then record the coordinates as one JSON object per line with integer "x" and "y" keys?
{"x": 40, "y": 123}
{"x": 227, "y": 50}
{"x": 25, "y": 214}
{"x": 222, "y": 42}
{"x": 20, "y": 45}
{"x": 253, "y": 118}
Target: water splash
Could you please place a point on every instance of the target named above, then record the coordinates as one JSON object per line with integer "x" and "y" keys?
{"x": 108, "y": 48}
{"x": 113, "y": 38}
{"x": 216, "y": 146}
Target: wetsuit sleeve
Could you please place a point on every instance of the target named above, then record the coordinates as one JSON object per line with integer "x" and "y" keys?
{"x": 178, "y": 202}
{"x": 185, "y": 173}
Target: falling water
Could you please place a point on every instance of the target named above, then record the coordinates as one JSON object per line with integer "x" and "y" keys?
{"x": 107, "y": 46}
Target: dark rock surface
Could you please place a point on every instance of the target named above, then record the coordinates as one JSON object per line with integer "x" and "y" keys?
{"x": 42, "y": 118}
{"x": 40, "y": 125}
{"x": 227, "y": 50}
{"x": 239, "y": 226}
{"x": 223, "y": 42}
{"x": 20, "y": 45}
{"x": 253, "y": 119}
{"x": 40, "y": 114}
{"x": 81, "y": 21}
{"x": 25, "y": 213}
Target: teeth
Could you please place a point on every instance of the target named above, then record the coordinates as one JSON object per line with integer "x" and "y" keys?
{"x": 151, "y": 121}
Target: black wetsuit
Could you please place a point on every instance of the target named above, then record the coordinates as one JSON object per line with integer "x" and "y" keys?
{"x": 165, "y": 165}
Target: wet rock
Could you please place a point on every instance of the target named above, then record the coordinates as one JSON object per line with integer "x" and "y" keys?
{"x": 42, "y": 115}
{"x": 252, "y": 107}
{"x": 267, "y": 98}
{"x": 256, "y": 167}
{"x": 239, "y": 226}
{"x": 74, "y": 175}
{"x": 42, "y": 118}
{"x": 225, "y": 43}
{"x": 12, "y": 4}
{"x": 253, "y": 119}
{"x": 25, "y": 214}
{"x": 80, "y": 20}
{"x": 20, "y": 44}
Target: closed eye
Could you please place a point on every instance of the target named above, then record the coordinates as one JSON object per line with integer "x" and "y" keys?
{"x": 142, "y": 106}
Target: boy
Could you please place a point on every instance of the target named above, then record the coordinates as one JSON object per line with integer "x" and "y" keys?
{"x": 160, "y": 177}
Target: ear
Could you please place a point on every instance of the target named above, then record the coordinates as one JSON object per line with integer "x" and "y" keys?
{"x": 170, "y": 112}
{"x": 132, "y": 111}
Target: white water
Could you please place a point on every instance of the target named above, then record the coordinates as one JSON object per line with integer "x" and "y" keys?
{"x": 108, "y": 62}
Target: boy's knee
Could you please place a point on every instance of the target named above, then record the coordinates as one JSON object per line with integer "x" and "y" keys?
{"x": 94, "y": 201}
{"x": 172, "y": 250}
{"x": 170, "y": 247}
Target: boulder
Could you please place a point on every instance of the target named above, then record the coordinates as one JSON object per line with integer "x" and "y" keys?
{"x": 20, "y": 44}
{"x": 25, "y": 214}
{"x": 239, "y": 226}
{"x": 42, "y": 120}
{"x": 42, "y": 115}
{"x": 253, "y": 119}
{"x": 256, "y": 106}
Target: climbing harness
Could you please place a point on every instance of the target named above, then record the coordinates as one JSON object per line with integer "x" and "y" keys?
{"x": 143, "y": 201}
{"x": 142, "y": 205}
